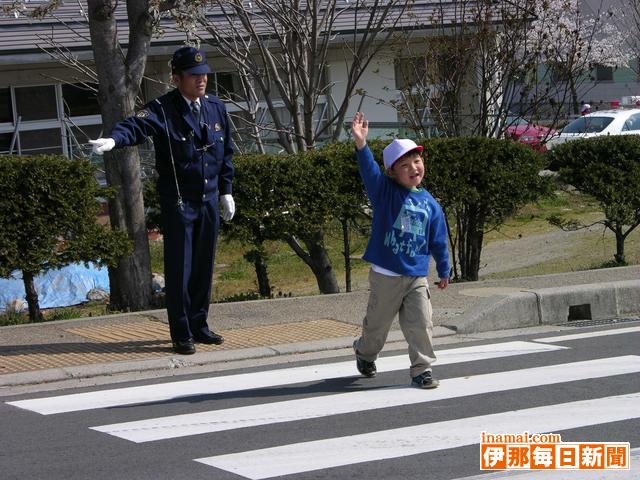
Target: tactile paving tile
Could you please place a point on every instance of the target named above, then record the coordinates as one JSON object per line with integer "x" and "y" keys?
{"x": 150, "y": 339}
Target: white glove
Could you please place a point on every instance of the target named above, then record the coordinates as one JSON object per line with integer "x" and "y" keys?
{"x": 228, "y": 207}
{"x": 102, "y": 145}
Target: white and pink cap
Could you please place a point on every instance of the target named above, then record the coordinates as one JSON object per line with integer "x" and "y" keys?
{"x": 397, "y": 149}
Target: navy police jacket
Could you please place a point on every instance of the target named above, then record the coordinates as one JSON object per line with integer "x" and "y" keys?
{"x": 201, "y": 151}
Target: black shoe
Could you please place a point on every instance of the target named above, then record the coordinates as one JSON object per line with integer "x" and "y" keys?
{"x": 209, "y": 338}
{"x": 184, "y": 347}
{"x": 424, "y": 380}
{"x": 367, "y": 369}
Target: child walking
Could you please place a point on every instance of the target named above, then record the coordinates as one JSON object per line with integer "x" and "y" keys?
{"x": 408, "y": 227}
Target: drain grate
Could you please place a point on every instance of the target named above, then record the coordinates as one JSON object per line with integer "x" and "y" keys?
{"x": 591, "y": 323}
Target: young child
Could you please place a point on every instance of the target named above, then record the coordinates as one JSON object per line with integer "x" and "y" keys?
{"x": 408, "y": 226}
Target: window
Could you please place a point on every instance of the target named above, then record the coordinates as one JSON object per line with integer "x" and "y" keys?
{"x": 54, "y": 119}
{"x": 35, "y": 142}
{"x": 36, "y": 103}
{"x": 226, "y": 85}
{"x": 409, "y": 72}
{"x": 588, "y": 125}
{"x": 604, "y": 74}
{"x": 632, "y": 123}
{"x": 5, "y": 142}
{"x": 6, "y": 110}
{"x": 79, "y": 100}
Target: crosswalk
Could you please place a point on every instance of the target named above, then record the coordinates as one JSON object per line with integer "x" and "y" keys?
{"x": 543, "y": 378}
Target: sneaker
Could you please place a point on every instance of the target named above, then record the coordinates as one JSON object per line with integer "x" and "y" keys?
{"x": 367, "y": 369}
{"x": 424, "y": 380}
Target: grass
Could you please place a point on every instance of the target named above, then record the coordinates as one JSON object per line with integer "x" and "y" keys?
{"x": 288, "y": 274}
{"x": 593, "y": 248}
{"x": 235, "y": 278}
{"x": 532, "y": 218}
{"x": 89, "y": 309}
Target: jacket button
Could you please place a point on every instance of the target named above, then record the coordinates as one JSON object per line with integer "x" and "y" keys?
{"x": 206, "y": 181}
{"x": 204, "y": 196}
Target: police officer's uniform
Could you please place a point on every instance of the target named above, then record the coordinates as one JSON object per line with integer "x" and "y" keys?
{"x": 193, "y": 161}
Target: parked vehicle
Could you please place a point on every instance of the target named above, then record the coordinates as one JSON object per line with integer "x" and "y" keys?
{"x": 603, "y": 122}
{"x": 529, "y": 133}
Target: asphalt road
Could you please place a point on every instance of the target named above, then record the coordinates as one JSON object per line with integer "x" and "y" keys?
{"x": 320, "y": 420}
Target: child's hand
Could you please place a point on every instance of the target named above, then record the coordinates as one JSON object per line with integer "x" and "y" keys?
{"x": 360, "y": 130}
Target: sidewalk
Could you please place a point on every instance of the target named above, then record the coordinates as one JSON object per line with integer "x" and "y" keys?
{"x": 90, "y": 347}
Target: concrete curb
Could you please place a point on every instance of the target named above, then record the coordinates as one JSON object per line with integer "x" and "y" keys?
{"x": 552, "y": 306}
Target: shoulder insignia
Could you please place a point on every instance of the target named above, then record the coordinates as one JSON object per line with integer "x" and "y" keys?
{"x": 142, "y": 113}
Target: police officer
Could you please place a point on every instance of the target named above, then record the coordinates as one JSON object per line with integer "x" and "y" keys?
{"x": 192, "y": 143}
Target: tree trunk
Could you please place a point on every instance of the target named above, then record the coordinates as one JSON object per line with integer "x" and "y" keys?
{"x": 474, "y": 245}
{"x": 130, "y": 281}
{"x": 619, "y": 256}
{"x": 257, "y": 257}
{"x": 35, "y": 315}
{"x": 452, "y": 246}
{"x": 574, "y": 95}
{"x": 318, "y": 260}
{"x": 321, "y": 264}
{"x": 347, "y": 253}
{"x": 470, "y": 237}
{"x": 263, "y": 278}
{"x": 119, "y": 81}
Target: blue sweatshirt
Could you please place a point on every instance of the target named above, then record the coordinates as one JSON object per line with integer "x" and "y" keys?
{"x": 408, "y": 225}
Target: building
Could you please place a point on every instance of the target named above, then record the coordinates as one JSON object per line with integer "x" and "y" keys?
{"x": 46, "y": 107}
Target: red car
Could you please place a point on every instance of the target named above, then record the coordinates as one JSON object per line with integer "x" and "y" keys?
{"x": 530, "y": 134}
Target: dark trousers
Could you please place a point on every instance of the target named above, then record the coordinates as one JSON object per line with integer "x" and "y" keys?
{"x": 190, "y": 236}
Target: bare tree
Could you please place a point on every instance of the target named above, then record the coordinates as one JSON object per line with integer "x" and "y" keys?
{"x": 498, "y": 59}
{"x": 461, "y": 78}
{"x": 283, "y": 47}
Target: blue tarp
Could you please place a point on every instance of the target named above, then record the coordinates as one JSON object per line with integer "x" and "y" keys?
{"x": 57, "y": 288}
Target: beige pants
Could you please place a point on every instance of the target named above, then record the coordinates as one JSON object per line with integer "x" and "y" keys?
{"x": 409, "y": 298}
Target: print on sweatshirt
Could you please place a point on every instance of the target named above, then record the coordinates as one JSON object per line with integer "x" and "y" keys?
{"x": 410, "y": 224}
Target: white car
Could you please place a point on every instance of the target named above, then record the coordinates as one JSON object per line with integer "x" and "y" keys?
{"x": 602, "y": 122}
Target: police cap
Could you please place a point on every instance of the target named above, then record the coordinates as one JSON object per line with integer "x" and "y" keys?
{"x": 189, "y": 60}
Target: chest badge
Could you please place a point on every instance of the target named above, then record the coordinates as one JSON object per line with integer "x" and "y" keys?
{"x": 217, "y": 127}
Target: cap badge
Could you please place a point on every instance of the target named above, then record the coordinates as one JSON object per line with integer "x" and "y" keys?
{"x": 198, "y": 58}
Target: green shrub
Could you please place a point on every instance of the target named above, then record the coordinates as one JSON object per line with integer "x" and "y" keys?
{"x": 48, "y": 211}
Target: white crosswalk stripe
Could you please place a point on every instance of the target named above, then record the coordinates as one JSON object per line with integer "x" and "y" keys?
{"x": 248, "y": 381}
{"x": 315, "y": 407}
{"x": 580, "y": 336}
{"x": 430, "y": 437}
{"x": 483, "y": 371}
